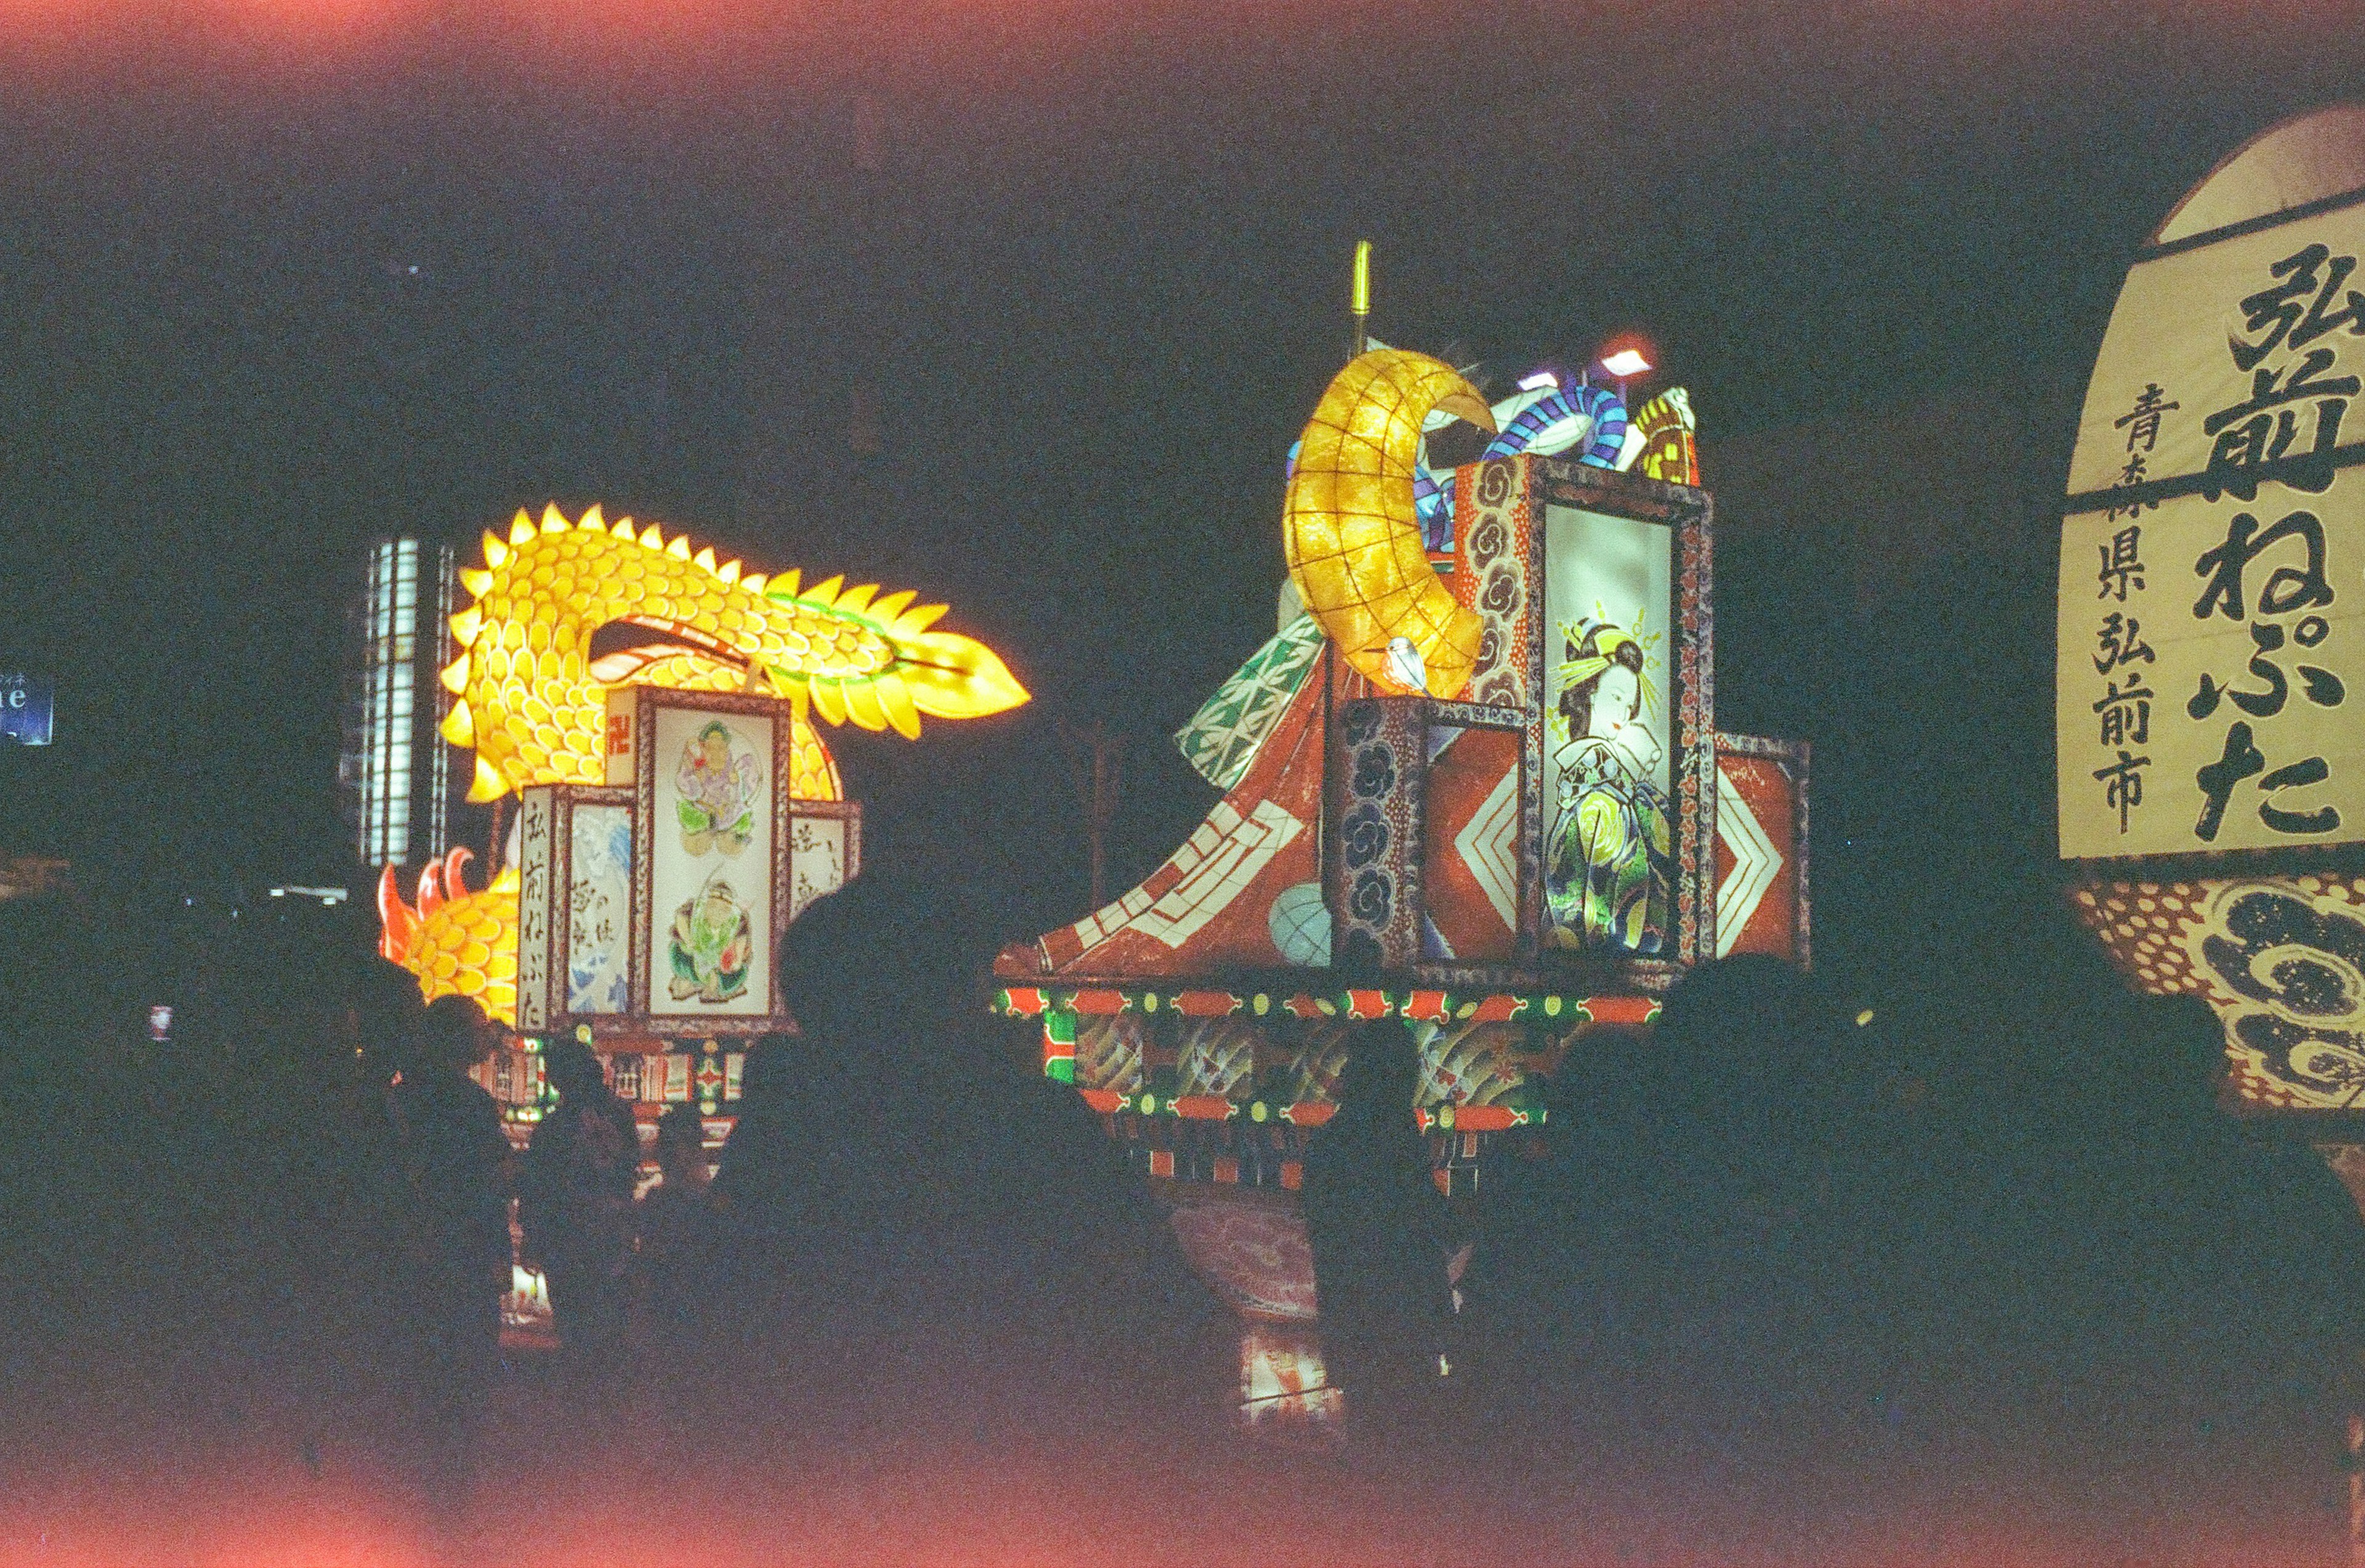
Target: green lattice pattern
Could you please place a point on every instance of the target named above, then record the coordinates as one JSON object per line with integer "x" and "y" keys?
{"x": 1223, "y": 736}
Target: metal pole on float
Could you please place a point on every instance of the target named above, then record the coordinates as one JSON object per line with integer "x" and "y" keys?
{"x": 1359, "y": 302}
{"x": 1097, "y": 758}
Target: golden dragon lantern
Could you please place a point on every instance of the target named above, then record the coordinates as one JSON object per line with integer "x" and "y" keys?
{"x": 532, "y": 699}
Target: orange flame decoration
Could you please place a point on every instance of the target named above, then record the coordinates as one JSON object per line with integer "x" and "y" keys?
{"x": 457, "y": 942}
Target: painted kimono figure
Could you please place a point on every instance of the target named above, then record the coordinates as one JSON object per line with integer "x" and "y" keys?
{"x": 1609, "y": 864}
{"x": 713, "y": 943}
{"x": 718, "y": 785}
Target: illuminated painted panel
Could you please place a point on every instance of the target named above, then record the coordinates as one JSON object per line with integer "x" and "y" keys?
{"x": 1608, "y": 854}
{"x": 600, "y": 898}
{"x": 1284, "y": 1382}
{"x": 824, "y": 854}
{"x": 709, "y": 858}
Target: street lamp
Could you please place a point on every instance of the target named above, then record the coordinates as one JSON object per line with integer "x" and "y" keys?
{"x": 1623, "y": 359}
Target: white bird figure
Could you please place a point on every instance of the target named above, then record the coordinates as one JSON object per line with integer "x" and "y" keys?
{"x": 1405, "y": 667}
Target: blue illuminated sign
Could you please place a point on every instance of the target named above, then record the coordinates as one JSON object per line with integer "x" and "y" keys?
{"x": 25, "y": 702}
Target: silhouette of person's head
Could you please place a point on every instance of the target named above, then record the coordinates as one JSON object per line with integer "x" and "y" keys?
{"x": 575, "y": 1070}
{"x": 767, "y": 1075}
{"x": 453, "y": 1035}
{"x": 832, "y": 961}
{"x": 386, "y": 1011}
{"x": 681, "y": 1146}
{"x": 2178, "y": 1061}
{"x": 1742, "y": 1037}
{"x": 1601, "y": 1077}
{"x": 1382, "y": 1072}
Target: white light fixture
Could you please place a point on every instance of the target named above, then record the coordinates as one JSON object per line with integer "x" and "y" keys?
{"x": 1542, "y": 381}
{"x": 1625, "y": 363}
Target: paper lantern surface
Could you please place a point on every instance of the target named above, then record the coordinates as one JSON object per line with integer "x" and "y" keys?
{"x": 532, "y": 708}
{"x": 2211, "y": 633}
{"x": 1352, "y": 534}
{"x": 457, "y": 942}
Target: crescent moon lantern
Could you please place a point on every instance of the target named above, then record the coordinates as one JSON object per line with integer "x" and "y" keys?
{"x": 1350, "y": 529}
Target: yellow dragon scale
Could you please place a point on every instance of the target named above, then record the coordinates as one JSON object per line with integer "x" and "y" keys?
{"x": 468, "y": 947}
{"x": 1349, "y": 530}
{"x": 455, "y": 942}
{"x": 534, "y": 712}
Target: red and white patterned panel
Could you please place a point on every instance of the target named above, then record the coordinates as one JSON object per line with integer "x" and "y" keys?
{"x": 1249, "y": 1245}
{"x": 1213, "y": 904}
{"x": 1490, "y": 575}
{"x": 1471, "y": 858}
{"x": 1758, "y": 857}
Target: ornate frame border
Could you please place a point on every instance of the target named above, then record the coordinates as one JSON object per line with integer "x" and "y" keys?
{"x": 1688, "y": 513}
{"x": 683, "y": 1026}
{"x": 555, "y": 805}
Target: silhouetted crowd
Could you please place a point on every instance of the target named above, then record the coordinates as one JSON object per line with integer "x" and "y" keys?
{"x": 1753, "y": 1244}
{"x": 295, "y": 1181}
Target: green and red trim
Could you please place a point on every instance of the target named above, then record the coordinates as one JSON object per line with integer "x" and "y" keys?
{"x": 1060, "y": 1008}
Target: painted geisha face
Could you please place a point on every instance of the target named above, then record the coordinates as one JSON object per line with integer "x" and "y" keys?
{"x": 1615, "y": 720}
{"x": 1616, "y": 700}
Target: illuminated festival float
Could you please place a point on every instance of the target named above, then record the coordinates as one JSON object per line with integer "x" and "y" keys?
{"x": 2211, "y": 750}
{"x": 1473, "y": 783}
{"x": 676, "y": 805}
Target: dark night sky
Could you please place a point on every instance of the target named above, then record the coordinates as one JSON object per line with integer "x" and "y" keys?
{"x": 277, "y": 276}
